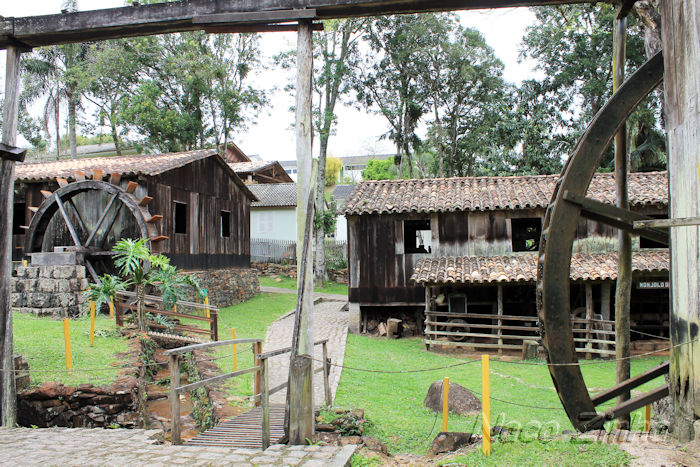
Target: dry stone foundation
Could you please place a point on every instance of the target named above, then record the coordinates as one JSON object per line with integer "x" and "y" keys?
{"x": 227, "y": 287}
{"x": 49, "y": 290}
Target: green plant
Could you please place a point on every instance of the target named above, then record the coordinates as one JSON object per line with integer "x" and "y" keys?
{"x": 162, "y": 320}
{"x": 202, "y": 409}
{"x": 147, "y": 356}
{"x": 103, "y": 292}
{"x": 360, "y": 460}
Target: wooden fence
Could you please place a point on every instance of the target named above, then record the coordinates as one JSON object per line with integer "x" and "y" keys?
{"x": 285, "y": 251}
{"x": 508, "y": 332}
{"x": 207, "y": 314}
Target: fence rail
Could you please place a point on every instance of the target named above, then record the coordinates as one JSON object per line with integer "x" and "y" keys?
{"x": 285, "y": 251}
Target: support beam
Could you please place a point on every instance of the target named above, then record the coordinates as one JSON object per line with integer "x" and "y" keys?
{"x": 8, "y": 397}
{"x": 623, "y": 289}
{"x": 300, "y": 413}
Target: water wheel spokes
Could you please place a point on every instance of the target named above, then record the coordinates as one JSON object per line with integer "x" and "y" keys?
{"x": 569, "y": 201}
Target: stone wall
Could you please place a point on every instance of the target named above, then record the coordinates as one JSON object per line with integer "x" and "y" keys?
{"x": 53, "y": 404}
{"x": 49, "y": 290}
{"x": 272, "y": 269}
{"x": 227, "y": 287}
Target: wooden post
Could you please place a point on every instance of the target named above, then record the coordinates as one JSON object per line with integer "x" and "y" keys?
{"x": 681, "y": 37}
{"x": 499, "y": 290}
{"x": 111, "y": 307}
{"x": 485, "y": 405}
{"x": 624, "y": 266}
{"x": 326, "y": 376}
{"x": 589, "y": 320}
{"x": 445, "y": 401}
{"x": 265, "y": 400}
{"x": 605, "y": 309}
{"x": 8, "y": 396}
{"x": 66, "y": 341}
{"x": 300, "y": 411}
{"x": 92, "y": 323}
{"x": 257, "y": 381}
{"x": 234, "y": 351}
{"x": 428, "y": 309}
{"x": 647, "y": 418}
{"x": 214, "y": 316}
{"x": 175, "y": 398}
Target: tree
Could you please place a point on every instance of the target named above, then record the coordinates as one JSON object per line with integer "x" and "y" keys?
{"x": 573, "y": 47}
{"x": 333, "y": 166}
{"x": 387, "y": 80}
{"x": 139, "y": 268}
{"x": 380, "y": 169}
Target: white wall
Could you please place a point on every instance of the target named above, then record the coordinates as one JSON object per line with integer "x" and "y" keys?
{"x": 273, "y": 223}
{"x": 341, "y": 229}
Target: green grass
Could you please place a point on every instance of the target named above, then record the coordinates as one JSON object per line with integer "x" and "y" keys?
{"x": 566, "y": 453}
{"x": 41, "y": 341}
{"x": 286, "y": 282}
{"x": 393, "y": 403}
{"x": 250, "y": 319}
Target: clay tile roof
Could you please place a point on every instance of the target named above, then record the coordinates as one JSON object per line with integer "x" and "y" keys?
{"x": 148, "y": 164}
{"x": 491, "y": 193}
{"x": 252, "y": 166}
{"x": 274, "y": 194}
{"x": 522, "y": 267}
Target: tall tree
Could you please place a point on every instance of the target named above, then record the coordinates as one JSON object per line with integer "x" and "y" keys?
{"x": 573, "y": 48}
{"x": 387, "y": 79}
{"x": 335, "y": 55}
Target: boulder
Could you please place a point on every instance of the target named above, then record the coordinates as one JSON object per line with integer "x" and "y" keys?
{"x": 48, "y": 390}
{"x": 451, "y": 441}
{"x": 373, "y": 444}
{"x": 460, "y": 400}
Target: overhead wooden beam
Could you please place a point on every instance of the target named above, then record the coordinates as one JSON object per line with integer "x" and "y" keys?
{"x": 168, "y": 17}
{"x": 241, "y": 28}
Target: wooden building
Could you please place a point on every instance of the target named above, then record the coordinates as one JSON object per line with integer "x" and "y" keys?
{"x": 406, "y": 239}
{"x": 205, "y": 206}
{"x": 254, "y": 171}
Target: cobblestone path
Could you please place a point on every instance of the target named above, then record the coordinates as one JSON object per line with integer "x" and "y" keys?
{"x": 82, "y": 446}
{"x": 331, "y": 323}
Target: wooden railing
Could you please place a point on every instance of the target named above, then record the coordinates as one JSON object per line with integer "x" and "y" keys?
{"x": 185, "y": 310}
{"x": 176, "y": 389}
{"x": 267, "y": 391}
{"x": 591, "y": 335}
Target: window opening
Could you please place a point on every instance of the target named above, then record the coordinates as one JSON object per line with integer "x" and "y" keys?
{"x": 417, "y": 236}
{"x": 526, "y": 233}
{"x": 180, "y": 220}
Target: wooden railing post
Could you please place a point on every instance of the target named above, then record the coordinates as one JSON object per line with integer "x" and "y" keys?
{"x": 265, "y": 400}
{"x": 175, "y": 397}
{"x": 326, "y": 374}
{"x": 214, "y": 326}
{"x": 257, "y": 350}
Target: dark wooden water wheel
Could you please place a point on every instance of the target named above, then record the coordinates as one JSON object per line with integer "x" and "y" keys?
{"x": 88, "y": 217}
{"x": 569, "y": 201}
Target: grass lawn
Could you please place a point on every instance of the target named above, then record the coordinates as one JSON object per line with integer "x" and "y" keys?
{"x": 40, "y": 340}
{"x": 393, "y": 403}
{"x": 251, "y": 320}
{"x": 286, "y": 282}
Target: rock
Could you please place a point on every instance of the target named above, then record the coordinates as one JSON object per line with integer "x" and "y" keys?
{"x": 451, "y": 441}
{"x": 22, "y": 378}
{"x": 48, "y": 390}
{"x": 373, "y": 444}
{"x": 345, "y": 440}
{"x": 325, "y": 427}
{"x": 460, "y": 400}
{"x": 530, "y": 350}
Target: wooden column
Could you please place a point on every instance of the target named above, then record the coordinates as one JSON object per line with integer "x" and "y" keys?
{"x": 681, "y": 43}
{"x": 624, "y": 239}
{"x": 300, "y": 394}
{"x": 8, "y": 397}
{"x": 605, "y": 310}
{"x": 499, "y": 298}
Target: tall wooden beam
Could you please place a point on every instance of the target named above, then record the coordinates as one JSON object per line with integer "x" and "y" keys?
{"x": 8, "y": 398}
{"x": 168, "y": 17}
{"x": 623, "y": 287}
{"x": 681, "y": 48}
{"x": 300, "y": 393}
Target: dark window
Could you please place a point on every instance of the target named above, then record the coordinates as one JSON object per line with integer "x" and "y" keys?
{"x": 180, "y": 220}
{"x": 225, "y": 224}
{"x": 646, "y": 243}
{"x": 416, "y": 236}
{"x": 18, "y": 214}
{"x": 526, "y": 233}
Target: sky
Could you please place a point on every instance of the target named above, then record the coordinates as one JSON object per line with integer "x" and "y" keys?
{"x": 357, "y": 132}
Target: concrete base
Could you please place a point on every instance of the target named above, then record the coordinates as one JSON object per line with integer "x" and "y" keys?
{"x": 354, "y": 320}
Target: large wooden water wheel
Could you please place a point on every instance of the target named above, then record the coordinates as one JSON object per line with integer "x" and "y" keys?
{"x": 87, "y": 217}
{"x": 553, "y": 295}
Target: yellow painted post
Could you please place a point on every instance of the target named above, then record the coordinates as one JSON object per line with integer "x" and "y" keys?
{"x": 111, "y": 307}
{"x": 66, "y": 338}
{"x": 233, "y": 346}
{"x": 485, "y": 405}
{"x": 92, "y": 323}
{"x": 24, "y": 263}
{"x": 445, "y": 401}
{"x": 206, "y": 302}
{"x": 647, "y": 418}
